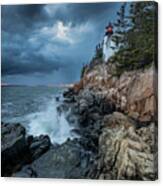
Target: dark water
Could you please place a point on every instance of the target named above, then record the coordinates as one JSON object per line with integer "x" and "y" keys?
{"x": 35, "y": 108}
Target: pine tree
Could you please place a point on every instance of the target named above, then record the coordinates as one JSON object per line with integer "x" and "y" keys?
{"x": 119, "y": 37}
{"x": 135, "y": 35}
{"x": 141, "y": 37}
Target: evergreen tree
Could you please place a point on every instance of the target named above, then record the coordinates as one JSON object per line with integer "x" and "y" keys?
{"x": 119, "y": 37}
{"x": 135, "y": 35}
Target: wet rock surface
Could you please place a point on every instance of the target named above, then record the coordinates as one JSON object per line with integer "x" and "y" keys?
{"x": 14, "y": 148}
{"x": 17, "y": 149}
{"x": 66, "y": 161}
{"x": 38, "y": 145}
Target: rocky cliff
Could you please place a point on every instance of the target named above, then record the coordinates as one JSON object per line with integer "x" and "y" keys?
{"x": 123, "y": 110}
{"x": 133, "y": 93}
{"x": 115, "y": 119}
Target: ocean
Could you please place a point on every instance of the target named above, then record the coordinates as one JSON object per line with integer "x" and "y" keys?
{"x": 36, "y": 109}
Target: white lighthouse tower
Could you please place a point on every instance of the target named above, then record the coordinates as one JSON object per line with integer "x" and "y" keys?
{"x": 107, "y": 48}
{"x": 107, "y": 43}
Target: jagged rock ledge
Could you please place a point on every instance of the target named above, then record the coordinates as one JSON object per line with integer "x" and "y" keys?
{"x": 28, "y": 156}
{"x": 17, "y": 149}
{"x": 117, "y": 125}
{"x": 119, "y": 115}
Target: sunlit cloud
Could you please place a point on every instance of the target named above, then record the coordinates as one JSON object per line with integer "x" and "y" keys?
{"x": 53, "y": 39}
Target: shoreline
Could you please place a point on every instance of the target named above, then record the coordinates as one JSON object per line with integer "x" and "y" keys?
{"x": 112, "y": 144}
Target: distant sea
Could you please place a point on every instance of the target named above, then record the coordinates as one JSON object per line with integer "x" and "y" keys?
{"x": 36, "y": 109}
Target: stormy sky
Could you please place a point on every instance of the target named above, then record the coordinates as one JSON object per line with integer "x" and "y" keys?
{"x": 48, "y": 44}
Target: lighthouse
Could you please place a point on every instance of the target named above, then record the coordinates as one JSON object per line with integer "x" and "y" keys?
{"x": 107, "y": 42}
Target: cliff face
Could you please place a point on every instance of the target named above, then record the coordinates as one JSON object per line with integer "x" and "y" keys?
{"x": 127, "y": 141}
{"x": 133, "y": 93}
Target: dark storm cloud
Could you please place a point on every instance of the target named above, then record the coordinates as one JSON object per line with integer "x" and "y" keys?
{"x": 33, "y": 64}
{"x": 15, "y": 16}
{"x": 81, "y": 12}
{"x": 49, "y": 38}
{"x": 21, "y": 17}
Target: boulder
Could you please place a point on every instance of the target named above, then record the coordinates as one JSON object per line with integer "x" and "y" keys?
{"x": 66, "y": 161}
{"x": 14, "y": 148}
{"x": 38, "y": 146}
{"x": 69, "y": 95}
{"x": 18, "y": 150}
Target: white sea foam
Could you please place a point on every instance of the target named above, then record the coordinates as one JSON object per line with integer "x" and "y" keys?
{"x": 50, "y": 122}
